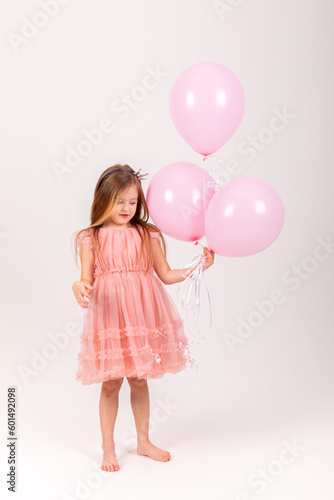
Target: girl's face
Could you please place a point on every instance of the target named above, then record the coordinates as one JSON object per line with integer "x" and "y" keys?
{"x": 126, "y": 207}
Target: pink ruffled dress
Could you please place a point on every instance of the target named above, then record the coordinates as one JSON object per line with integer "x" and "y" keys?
{"x": 131, "y": 327}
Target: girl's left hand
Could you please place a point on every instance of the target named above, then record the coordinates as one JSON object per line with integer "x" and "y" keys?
{"x": 210, "y": 257}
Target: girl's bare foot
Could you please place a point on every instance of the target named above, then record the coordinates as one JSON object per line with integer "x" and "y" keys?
{"x": 109, "y": 462}
{"x": 148, "y": 449}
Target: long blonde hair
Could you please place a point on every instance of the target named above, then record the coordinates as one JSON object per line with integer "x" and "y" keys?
{"x": 107, "y": 192}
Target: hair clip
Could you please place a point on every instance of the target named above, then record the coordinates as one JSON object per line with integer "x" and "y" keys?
{"x": 141, "y": 176}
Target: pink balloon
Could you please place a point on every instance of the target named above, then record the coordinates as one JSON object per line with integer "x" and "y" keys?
{"x": 206, "y": 104}
{"x": 243, "y": 217}
{"x": 177, "y": 197}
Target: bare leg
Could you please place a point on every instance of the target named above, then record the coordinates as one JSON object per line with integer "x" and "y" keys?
{"x": 140, "y": 402}
{"x": 108, "y": 412}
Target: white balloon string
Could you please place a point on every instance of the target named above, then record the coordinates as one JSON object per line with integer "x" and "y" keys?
{"x": 188, "y": 295}
{"x": 215, "y": 169}
{"x": 186, "y": 353}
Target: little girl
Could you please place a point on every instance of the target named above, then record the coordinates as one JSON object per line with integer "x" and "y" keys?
{"x": 131, "y": 326}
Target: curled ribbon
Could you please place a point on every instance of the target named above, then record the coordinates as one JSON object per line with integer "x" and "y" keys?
{"x": 216, "y": 170}
{"x": 189, "y": 292}
{"x": 190, "y": 362}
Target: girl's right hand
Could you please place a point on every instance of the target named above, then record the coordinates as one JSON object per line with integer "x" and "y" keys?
{"x": 81, "y": 290}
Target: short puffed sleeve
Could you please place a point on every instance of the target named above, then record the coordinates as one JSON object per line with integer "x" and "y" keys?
{"x": 85, "y": 237}
{"x": 154, "y": 235}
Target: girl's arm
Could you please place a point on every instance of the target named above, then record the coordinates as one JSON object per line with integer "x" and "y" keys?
{"x": 83, "y": 288}
{"x": 167, "y": 275}
{"x": 87, "y": 265}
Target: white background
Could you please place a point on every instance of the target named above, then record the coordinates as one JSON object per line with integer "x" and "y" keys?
{"x": 234, "y": 416}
